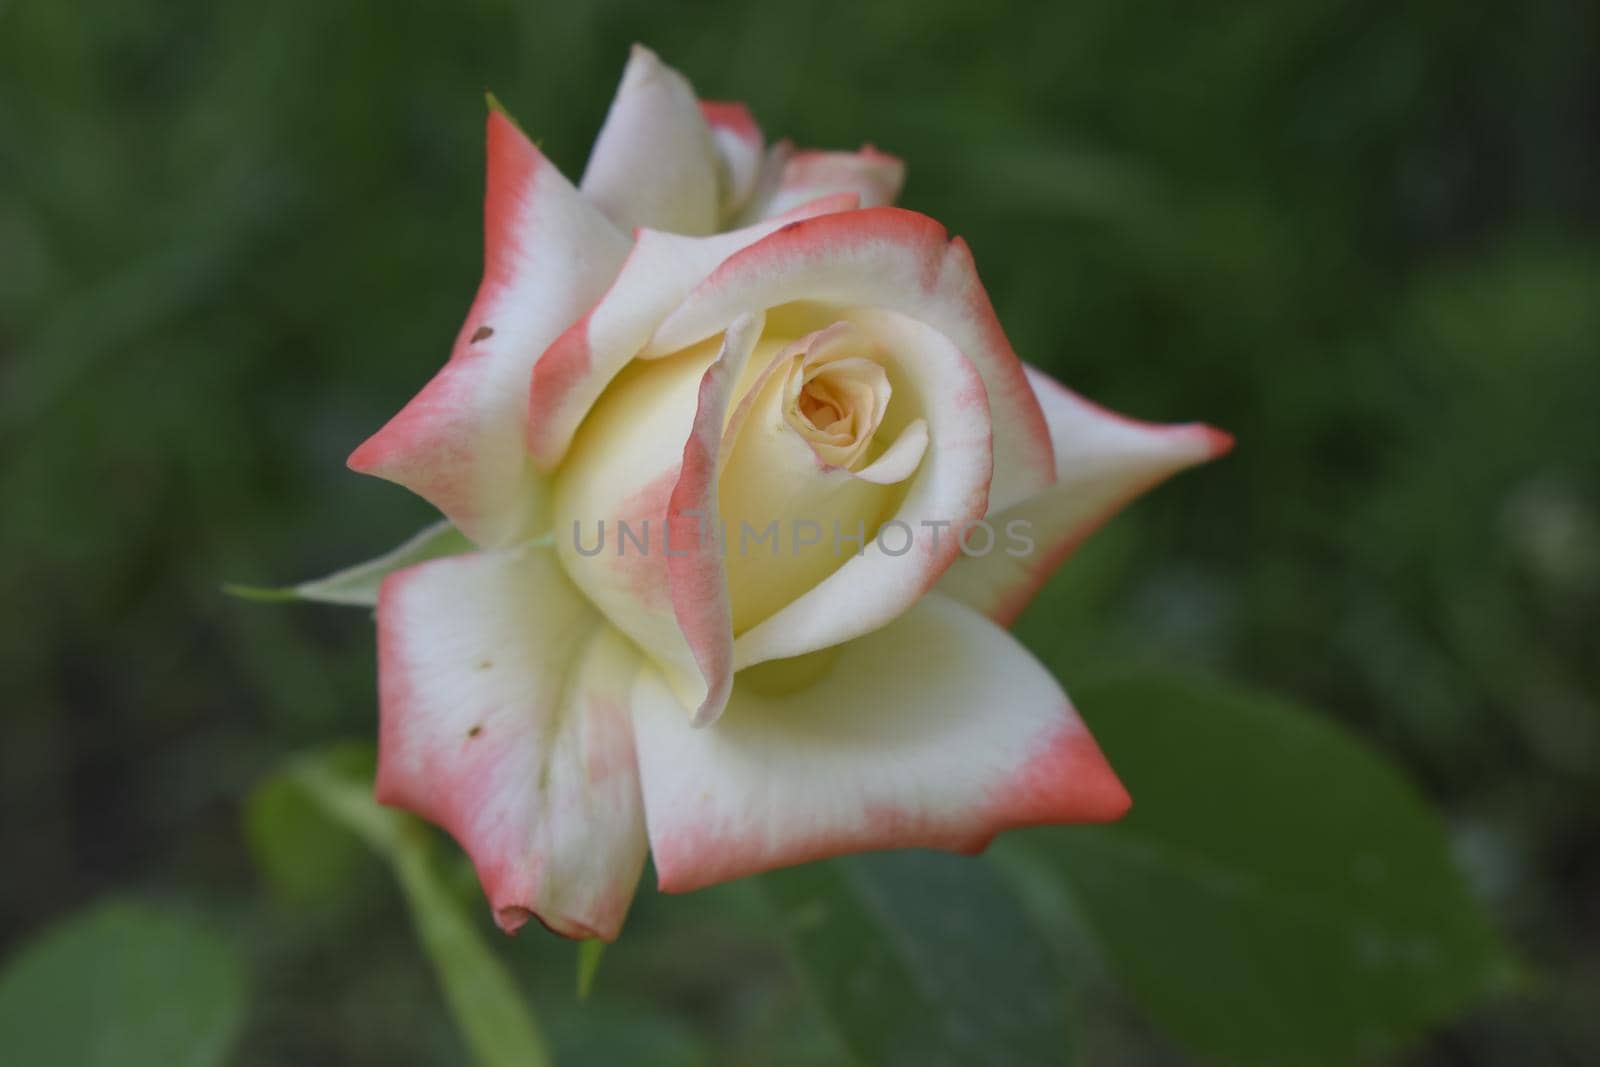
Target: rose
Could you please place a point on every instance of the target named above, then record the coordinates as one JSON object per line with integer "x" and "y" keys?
{"x": 837, "y": 368}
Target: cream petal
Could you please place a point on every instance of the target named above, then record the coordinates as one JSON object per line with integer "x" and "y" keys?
{"x": 644, "y": 457}
{"x": 660, "y": 270}
{"x": 937, "y": 731}
{"x": 934, "y": 384}
{"x": 788, "y": 508}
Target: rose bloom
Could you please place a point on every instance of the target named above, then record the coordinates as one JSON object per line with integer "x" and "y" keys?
{"x": 707, "y": 334}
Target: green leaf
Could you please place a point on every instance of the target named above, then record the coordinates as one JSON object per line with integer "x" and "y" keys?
{"x": 358, "y": 585}
{"x": 123, "y": 984}
{"x": 1279, "y": 893}
{"x": 620, "y": 1034}
{"x": 306, "y": 859}
{"x": 923, "y": 958}
{"x": 482, "y": 996}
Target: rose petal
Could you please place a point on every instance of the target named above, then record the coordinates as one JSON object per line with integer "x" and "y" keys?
{"x": 739, "y": 145}
{"x": 798, "y": 602}
{"x": 696, "y": 579}
{"x": 896, "y": 260}
{"x": 837, "y": 381}
{"x": 654, "y": 163}
{"x": 548, "y": 255}
{"x": 644, "y": 458}
{"x": 873, "y": 175}
{"x": 1103, "y": 460}
{"x": 938, "y": 731}
{"x": 660, "y": 270}
{"x": 504, "y": 719}
{"x": 782, "y": 501}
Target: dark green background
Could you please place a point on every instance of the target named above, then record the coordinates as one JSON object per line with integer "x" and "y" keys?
{"x": 234, "y": 237}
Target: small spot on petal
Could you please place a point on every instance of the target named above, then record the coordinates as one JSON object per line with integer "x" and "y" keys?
{"x": 485, "y": 664}
{"x": 475, "y": 731}
{"x": 482, "y": 333}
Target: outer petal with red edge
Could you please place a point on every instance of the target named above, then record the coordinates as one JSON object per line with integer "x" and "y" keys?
{"x": 548, "y": 256}
{"x": 503, "y": 700}
{"x": 654, "y": 163}
{"x": 660, "y": 270}
{"x": 937, "y": 731}
{"x": 1103, "y": 460}
{"x": 898, "y": 261}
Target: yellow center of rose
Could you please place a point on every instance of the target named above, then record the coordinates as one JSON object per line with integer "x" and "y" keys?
{"x": 814, "y": 410}
{"x": 836, "y": 400}
{"x": 822, "y": 433}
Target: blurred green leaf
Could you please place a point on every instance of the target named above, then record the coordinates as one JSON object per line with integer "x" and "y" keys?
{"x": 358, "y": 586}
{"x": 923, "y": 958}
{"x": 306, "y": 858}
{"x": 123, "y": 984}
{"x": 488, "y": 1007}
{"x": 1279, "y": 893}
{"x": 619, "y": 1035}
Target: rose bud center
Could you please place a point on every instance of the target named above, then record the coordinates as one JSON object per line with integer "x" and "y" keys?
{"x": 836, "y": 395}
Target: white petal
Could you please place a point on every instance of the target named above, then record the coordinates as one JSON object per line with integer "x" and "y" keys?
{"x": 654, "y": 163}
{"x": 938, "y": 731}
{"x": 739, "y": 143}
{"x": 503, "y": 707}
{"x": 1103, "y": 460}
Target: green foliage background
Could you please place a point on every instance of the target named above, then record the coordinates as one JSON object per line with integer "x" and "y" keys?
{"x": 234, "y": 237}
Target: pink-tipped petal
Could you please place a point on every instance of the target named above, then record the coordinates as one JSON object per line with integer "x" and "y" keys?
{"x": 548, "y": 255}
{"x": 504, "y": 718}
{"x": 895, "y": 260}
{"x": 697, "y": 579}
{"x": 741, "y": 148}
{"x": 645, "y": 460}
{"x": 1103, "y": 461}
{"x": 938, "y": 731}
{"x": 660, "y": 270}
{"x": 875, "y": 176}
{"x": 654, "y": 163}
